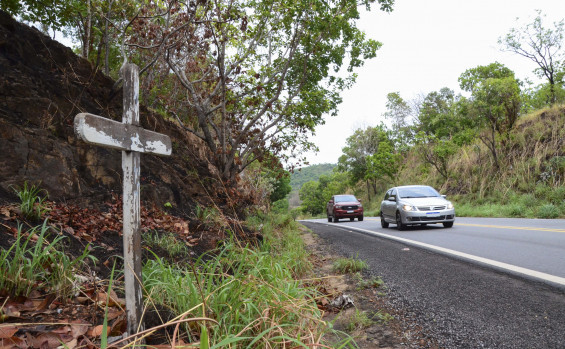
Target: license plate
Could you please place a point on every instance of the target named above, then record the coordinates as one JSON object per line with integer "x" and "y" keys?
{"x": 349, "y": 211}
{"x": 432, "y": 214}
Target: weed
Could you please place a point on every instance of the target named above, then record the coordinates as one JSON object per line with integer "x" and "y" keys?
{"x": 29, "y": 264}
{"x": 362, "y": 283}
{"x": 382, "y": 317}
{"x": 349, "y": 265}
{"x": 166, "y": 241}
{"x": 358, "y": 321}
{"x": 31, "y": 203}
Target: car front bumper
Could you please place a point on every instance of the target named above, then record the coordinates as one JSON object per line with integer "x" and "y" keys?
{"x": 348, "y": 213}
{"x": 425, "y": 217}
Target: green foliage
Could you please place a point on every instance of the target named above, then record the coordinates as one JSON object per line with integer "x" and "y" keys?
{"x": 281, "y": 187}
{"x": 549, "y": 211}
{"x": 315, "y": 195}
{"x": 362, "y": 283}
{"x": 349, "y": 265}
{"x": 29, "y": 264}
{"x": 309, "y": 173}
{"x": 31, "y": 203}
{"x": 166, "y": 241}
{"x": 542, "y": 45}
{"x": 358, "y": 320}
{"x": 270, "y": 70}
{"x": 237, "y": 285}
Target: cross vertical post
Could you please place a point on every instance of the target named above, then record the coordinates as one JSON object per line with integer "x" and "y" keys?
{"x": 131, "y": 165}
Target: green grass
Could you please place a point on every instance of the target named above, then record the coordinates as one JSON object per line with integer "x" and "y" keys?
{"x": 349, "y": 265}
{"x": 362, "y": 283}
{"x": 166, "y": 241}
{"x": 32, "y": 204}
{"x": 35, "y": 262}
{"x": 252, "y": 295}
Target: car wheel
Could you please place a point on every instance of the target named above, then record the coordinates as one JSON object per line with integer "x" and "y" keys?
{"x": 351, "y": 219}
{"x": 336, "y": 219}
{"x": 447, "y": 224}
{"x": 384, "y": 224}
{"x": 399, "y": 224}
{"x": 360, "y": 218}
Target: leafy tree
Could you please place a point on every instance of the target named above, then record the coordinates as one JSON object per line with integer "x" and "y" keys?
{"x": 359, "y": 146}
{"x": 281, "y": 187}
{"x": 399, "y": 112}
{"x": 316, "y": 194}
{"x": 436, "y": 151}
{"x": 495, "y": 102}
{"x": 256, "y": 76}
{"x": 542, "y": 45}
{"x": 384, "y": 163}
{"x": 96, "y": 24}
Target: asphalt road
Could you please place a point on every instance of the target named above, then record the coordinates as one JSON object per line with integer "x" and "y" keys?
{"x": 462, "y": 303}
{"x": 529, "y": 247}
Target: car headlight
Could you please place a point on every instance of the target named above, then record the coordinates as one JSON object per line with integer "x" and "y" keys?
{"x": 408, "y": 208}
{"x": 337, "y": 206}
{"x": 449, "y": 206}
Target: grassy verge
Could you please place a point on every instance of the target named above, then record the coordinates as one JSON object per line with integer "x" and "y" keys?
{"x": 252, "y": 295}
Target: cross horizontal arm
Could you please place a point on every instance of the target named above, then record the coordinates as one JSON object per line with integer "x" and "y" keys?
{"x": 113, "y": 134}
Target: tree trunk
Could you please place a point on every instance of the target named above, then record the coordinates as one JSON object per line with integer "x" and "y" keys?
{"x": 368, "y": 189}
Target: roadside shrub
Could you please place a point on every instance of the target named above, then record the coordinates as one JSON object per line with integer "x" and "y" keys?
{"x": 529, "y": 200}
{"x": 515, "y": 210}
{"x": 548, "y": 211}
{"x": 542, "y": 191}
{"x": 557, "y": 196}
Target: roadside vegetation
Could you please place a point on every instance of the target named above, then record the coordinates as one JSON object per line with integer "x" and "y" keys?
{"x": 497, "y": 150}
{"x": 245, "y": 293}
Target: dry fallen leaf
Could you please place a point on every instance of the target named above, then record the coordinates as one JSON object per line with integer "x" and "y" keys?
{"x": 7, "y": 331}
{"x": 78, "y": 328}
{"x": 95, "y": 331}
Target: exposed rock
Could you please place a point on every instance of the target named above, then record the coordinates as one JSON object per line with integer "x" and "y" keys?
{"x": 43, "y": 86}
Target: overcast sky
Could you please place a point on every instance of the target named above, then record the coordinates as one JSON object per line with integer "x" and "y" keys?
{"x": 427, "y": 45}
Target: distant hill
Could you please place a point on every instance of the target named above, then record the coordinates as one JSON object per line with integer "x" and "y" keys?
{"x": 309, "y": 173}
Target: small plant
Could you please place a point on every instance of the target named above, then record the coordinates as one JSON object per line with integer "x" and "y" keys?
{"x": 168, "y": 205}
{"x": 349, "y": 265}
{"x": 358, "y": 321}
{"x": 382, "y": 317}
{"x": 28, "y": 265}
{"x": 166, "y": 241}
{"x": 31, "y": 203}
{"x": 362, "y": 283}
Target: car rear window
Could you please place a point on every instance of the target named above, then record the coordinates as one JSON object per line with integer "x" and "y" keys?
{"x": 417, "y": 192}
{"x": 345, "y": 198}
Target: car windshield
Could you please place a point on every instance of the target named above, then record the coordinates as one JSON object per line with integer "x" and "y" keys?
{"x": 345, "y": 198}
{"x": 417, "y": 192}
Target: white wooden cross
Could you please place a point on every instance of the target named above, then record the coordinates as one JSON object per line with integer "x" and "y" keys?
{"x": 133, "y": 140}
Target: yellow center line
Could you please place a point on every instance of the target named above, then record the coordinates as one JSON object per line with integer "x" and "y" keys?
{"x": 499, "y": 226}
{"x": 511, "y": 227}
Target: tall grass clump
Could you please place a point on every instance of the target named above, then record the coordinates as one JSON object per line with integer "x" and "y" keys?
{"x": 251, "y": 292}
{"x": 30, "y": 264}
{"x": 166, "y": 241}
{"x": 32, "y": 203}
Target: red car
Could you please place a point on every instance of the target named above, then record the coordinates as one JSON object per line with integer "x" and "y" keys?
{"x": 344, "y": 206}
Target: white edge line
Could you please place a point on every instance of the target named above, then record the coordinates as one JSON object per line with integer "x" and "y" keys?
{"x": 505, "y": 266}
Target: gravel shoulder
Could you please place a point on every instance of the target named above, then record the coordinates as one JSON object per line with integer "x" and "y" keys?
{"x": 451, "y": 303}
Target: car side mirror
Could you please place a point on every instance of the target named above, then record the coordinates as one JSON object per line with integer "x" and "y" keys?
{"x": 359, "y": 200}
{"x": 444, "y": 196}
{"x": 392, "y": 198}
{"x": 331, "y": 202}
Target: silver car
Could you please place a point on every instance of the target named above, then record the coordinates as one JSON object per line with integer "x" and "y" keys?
{"x": 416, "y": 204}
